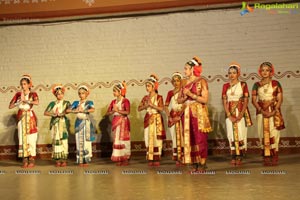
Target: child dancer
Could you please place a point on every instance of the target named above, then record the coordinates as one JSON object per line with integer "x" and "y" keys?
{"x": 84, "y": 129}
{"x": 27, "y": 121}
{"x": 120, "y": 109}
{"x": 59, "y": 126}
{"x": 154, "y": 131}
{"x": 174, "y": 111}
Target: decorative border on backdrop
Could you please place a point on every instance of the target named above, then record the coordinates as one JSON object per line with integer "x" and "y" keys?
{"x": 133, "y": 82}
{"x": 287, "y": 145}
{"x": 21, "y": 10}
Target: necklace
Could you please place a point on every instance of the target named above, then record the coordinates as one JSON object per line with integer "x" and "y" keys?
{"x": 231, "y": 86}
{"x": 176, "y": 90}
{"x": 265, "y": 83}
{"x": 118, "y": 100}
{"x": 266, "y": 87}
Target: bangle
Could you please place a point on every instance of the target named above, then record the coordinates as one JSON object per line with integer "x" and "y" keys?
{"x": 228, "y": 114}
{"x": 194, "y": 96}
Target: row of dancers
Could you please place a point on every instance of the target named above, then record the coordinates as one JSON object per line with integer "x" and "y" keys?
{"x": 186, "y": 110}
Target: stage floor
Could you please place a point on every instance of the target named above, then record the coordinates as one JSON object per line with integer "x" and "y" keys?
{"x": 103, "y": 180}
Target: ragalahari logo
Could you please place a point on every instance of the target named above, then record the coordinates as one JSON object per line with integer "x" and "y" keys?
{"x": 245, "y": 9}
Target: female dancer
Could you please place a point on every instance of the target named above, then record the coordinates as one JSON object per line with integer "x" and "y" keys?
{"x": 27, "y": 121}
{"x": 84, "y": 129}
{"x": 267, "y": 98}
{"x": 195, "y": 121}
{"x": 154, "y": 131}
{"x": 120, "y": 109}
{"x": 235, "y": 96}
{"x": 59, "y": 126}
{"x": 174, "y": 111}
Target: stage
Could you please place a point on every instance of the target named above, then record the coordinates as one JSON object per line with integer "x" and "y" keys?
{"x": 104, "y": 180}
